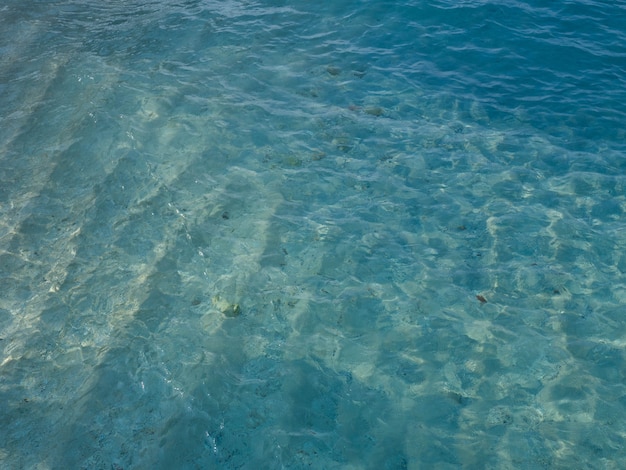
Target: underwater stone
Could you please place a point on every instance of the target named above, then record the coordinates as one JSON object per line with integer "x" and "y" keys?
{"x": 227, "y": 308}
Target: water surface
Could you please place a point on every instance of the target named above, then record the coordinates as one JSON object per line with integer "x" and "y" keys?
{"x": 260, "y": 234}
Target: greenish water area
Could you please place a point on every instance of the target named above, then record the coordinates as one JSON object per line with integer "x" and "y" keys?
{"x": 265, "y": 234}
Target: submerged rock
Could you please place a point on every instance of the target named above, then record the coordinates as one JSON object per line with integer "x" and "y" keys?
{"x": 227, "y": 308}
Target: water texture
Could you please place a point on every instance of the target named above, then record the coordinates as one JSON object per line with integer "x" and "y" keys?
{"x": 265, "y": 234}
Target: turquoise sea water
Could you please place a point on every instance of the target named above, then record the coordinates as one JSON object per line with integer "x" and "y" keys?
{"x": 266, "y": 234}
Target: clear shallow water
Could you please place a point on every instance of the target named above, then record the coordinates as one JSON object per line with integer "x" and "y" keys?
{"x": 252, "y": 235}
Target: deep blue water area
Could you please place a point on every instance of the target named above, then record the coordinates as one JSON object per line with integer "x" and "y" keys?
{"x": 264, "y": 234}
